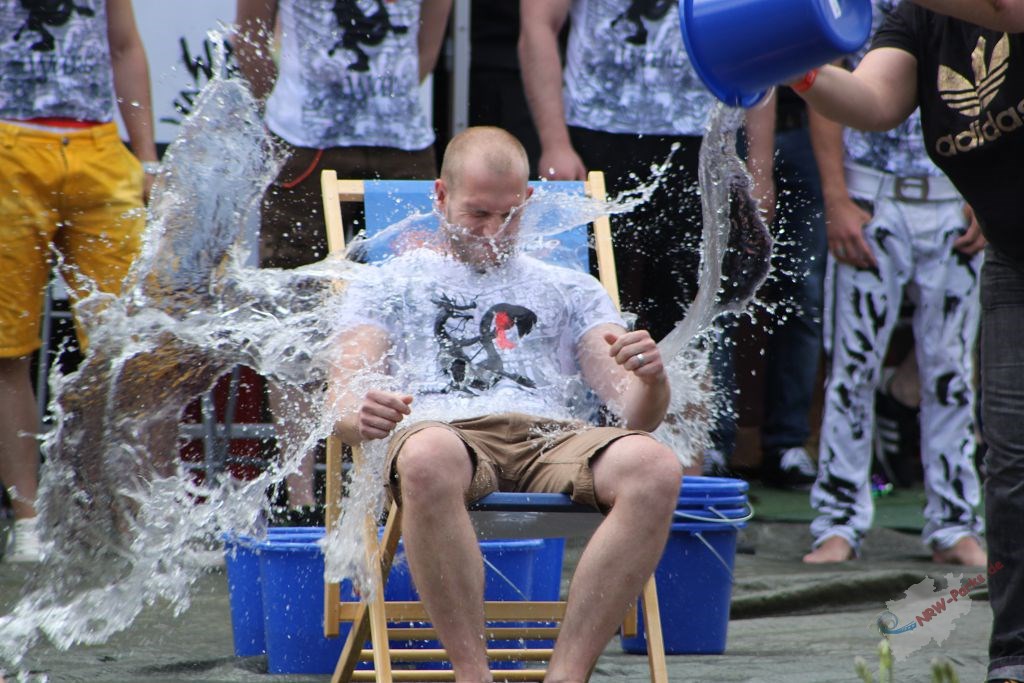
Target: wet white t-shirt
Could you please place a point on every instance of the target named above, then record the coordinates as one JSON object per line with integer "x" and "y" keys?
{"x": 466, "y": 343}
{"x": 55, "y": 63}
{"x": 627, "y": 70}
{"x": 348, "y": 75}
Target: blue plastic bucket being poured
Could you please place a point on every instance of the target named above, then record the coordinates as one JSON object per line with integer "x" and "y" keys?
{"x": 694, "y": 575}
{"x": 742, "y": 48}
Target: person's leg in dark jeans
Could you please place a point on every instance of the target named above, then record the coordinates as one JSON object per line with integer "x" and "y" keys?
{"x": 1002, "y": 378}
{"x": 794, "y": 345}
{"x": 658, "y": 246}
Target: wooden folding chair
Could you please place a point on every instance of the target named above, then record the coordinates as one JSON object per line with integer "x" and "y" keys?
{"x": 499, "y": 515}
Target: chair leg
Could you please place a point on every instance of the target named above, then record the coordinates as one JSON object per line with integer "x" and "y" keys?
{"x": 357, "y": 635}
{"x": 652, "y": 628}
{"x": 370, "y": 622}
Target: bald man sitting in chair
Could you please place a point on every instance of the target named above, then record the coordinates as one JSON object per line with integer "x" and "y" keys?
{"x": 487, "y": 348}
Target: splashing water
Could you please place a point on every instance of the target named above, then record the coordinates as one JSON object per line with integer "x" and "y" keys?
{"x": 123, "y": 528}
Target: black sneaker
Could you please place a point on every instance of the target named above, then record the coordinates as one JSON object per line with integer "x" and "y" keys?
{"x": 789, "y": 468}
{"x": 897, "y": 442}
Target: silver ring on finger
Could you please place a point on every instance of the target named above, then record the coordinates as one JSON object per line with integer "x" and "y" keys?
{"x": 841, "y": 252}
{"x": 640, "y": 360}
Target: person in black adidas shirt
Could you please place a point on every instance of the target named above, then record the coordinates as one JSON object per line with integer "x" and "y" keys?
{"x": 968, "y": 80}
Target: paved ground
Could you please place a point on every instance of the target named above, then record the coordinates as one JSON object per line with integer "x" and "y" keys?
{"x": 790, "y": 623}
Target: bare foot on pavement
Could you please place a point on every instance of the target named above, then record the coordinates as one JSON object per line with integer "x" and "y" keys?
{"x": 832, "y": 549}
{"x": 966, "y": 551}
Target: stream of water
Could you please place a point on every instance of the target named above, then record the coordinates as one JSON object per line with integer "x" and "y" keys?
{"x": 124, "y": 526}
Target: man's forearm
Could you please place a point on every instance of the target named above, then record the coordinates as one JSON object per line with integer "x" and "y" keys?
{"x": 829, "y": 153}
{"x": 541, "y": 68}
{"x": 645, "y": 405}
{"x": 998, "y": 15}
{"x": 131, "y": 83}
{"x": 252, "y": 44}
{"x": 760, "y": 126}
{"x": 433, "y": 19}
{"x": 850, "y": 101}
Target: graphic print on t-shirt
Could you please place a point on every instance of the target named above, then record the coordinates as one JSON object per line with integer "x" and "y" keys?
{"x": 627, "y": 71}
{"x": 46, "y": 14}
{"x": 969, "y": 96}
{"x": 634, "y": 15}
{"x": 360, "y": 29}
{"x": 471, "y": 355}
{"x": 54, "y": 60}
{"x": 349, "y": 75}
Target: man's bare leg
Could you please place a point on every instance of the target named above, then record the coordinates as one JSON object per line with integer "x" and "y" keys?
{"x": 19, "y": 424}
{"x": 434, "y": 472}
{"x": 638, "y": 478}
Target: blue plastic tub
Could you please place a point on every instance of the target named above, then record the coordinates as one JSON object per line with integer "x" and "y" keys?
{"x": 508, "y": 576}
{"x": 241, "y": 560}
{"x": 694, "y": 590}
{"x": 694, "y": 575}
{"x": 291, "y": 574}
{"x": 741, "y": 48}
{"x": 509, "y": 570}
{"x": 292, "y": 578}
{"x": 242, "y": 566}
{"x": 712, "y": 487}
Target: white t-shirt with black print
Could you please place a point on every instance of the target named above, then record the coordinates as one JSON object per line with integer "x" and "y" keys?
{"x": 348, "y": 75}
{"x": 466, "y": 343}
{"x": 55, "y": 61}
{"x": 899, "y": 151}
{"x": 627, "y": 70}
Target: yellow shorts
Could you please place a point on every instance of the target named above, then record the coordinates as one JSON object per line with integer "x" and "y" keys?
{"x": 79, "y": 193}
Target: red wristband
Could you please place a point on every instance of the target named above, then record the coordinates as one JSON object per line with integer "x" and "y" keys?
{"x": 805, "y": 83}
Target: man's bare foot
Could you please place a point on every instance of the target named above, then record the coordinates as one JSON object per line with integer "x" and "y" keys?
{"x": 832, "y": 549}
{"x": 966, "y": 551}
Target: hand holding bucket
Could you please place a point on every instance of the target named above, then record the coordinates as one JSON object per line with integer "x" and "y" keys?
{"x": 741, "y": 48}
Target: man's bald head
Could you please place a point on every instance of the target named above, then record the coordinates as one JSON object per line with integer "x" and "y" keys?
{"x": 484, "y": 148}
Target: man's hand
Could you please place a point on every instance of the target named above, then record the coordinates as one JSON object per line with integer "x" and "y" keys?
{"x": 561, "y": 163}
{"x": 380, "y": 412}
{"x": 638, "y": 353}
{"x": 846, "y": 221}
{"x": 972, "y": 241}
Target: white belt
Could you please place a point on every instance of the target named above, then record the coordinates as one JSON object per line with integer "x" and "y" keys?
{"x": 868, "y": 183}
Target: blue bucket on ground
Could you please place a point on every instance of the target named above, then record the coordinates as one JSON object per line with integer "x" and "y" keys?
{"x": 741, "y": 48}
{"x": 547, "y": 570}
{"x": 694, "y": 576}
{"x": 292, "y": 577}
{"x": 242, "y": 565}
{"x": 510, "y": 568}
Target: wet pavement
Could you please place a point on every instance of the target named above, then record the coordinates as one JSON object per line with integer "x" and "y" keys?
{"x": 790, "y": 622}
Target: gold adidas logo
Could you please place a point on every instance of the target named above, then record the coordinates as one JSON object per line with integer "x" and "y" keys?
{"x": 967, "y": 97}
{"x": 971, "y": 98}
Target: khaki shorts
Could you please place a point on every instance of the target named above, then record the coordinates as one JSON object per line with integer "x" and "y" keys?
{"x": 80, "y": 192}
{"x": 513, "y": 452}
